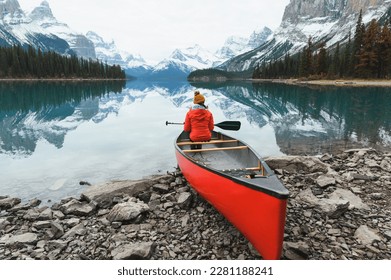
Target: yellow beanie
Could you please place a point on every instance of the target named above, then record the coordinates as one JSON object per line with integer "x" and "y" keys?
{"x": 198, "y": 97}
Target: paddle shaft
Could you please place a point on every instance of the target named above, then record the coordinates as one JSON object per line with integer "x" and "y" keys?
{"x": 227, "y": 125}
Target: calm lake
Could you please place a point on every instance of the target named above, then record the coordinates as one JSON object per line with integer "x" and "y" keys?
{"x": 55, "y": 134}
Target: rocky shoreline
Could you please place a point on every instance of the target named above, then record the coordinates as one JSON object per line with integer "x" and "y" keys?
{"x": 339, "y": 208}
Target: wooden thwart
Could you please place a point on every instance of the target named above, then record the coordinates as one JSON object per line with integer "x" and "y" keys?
{"x": 206, "y": 143}
{"x": 259, "y": 168}
{"x": 216, "y": 149}
{"x": 253, "y": 168}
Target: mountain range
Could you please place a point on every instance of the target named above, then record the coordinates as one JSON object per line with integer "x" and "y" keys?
{"x": 328, "y": 21}
{"x": 41, "y": 29}
{"x": 181, "y": 62}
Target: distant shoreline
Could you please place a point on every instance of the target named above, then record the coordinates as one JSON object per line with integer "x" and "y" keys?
{"x": 341, "y": 82}
{"x": 56, "y": 79}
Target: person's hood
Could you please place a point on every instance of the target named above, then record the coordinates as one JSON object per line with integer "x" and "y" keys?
{"x": 197, "y": 106}
{"x": 199, "y": 112}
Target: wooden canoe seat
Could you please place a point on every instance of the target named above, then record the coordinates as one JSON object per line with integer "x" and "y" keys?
{"x": 207, "y": 142}
{"x": 216, "y": 149}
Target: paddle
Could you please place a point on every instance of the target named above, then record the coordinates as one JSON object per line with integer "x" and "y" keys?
{"x": 227, "y": 125}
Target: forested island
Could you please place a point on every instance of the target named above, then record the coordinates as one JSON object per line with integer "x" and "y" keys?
{"x": 18, "y": 62}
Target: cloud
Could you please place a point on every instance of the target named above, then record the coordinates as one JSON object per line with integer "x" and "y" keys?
{"x": 154, "y": 28}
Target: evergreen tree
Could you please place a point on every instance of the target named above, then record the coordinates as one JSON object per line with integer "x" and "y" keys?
{"x": 357, "y": 43}
{"x": 368, "y": 59}
{"x": 368, "y": 55}
{"x": 335, "y": 67}
{"x": 384, "y": 52}
{"x": 321, "y": 60}
{"x": 19, "y": 62}
{"x": 346, "y": 67}
{"x": 306, "y": 63}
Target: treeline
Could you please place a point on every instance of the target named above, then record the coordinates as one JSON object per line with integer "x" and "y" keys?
{"x": 19, "y": 62}
{"x": 212, "y": 74}
{"x": 366, "y": 55}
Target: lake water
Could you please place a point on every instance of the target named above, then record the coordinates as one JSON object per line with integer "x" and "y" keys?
{"x": 54, "y": 135}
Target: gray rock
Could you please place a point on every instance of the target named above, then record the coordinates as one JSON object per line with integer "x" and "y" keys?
{"x": 24, "y": 238}
{"x": 296, "y": 250}
{"x": 32, "y": 214}
{"x": 294, "y": 164}
{"x": 34, "y": 202}
{"x": 356, "y": 176}
{"x": 333, "y": 208}
{"x": 78, "y": 230}
{"x": 46, "y": 214}
{"x": 161, "y": 188}
{"x": 366, "y": 236}
{"x": 126, "y": 212}
{"x": 133, "y": 251}
{"x": 377, "y": 196}
{"x": 3, "y": 223}
{"x": 325, "y": 181}
{"x": 184, "y": 200}
{"x": 185, "y": 220}
{"x": 153, "y": 204}
{"x": 386, "y": 165}
{"x": 8, "y": 202}
{"x": 71, "y": 222}
{"x": 56, "y": 230}
{"x": 372, "y": 163}
{"x": 346, "y": 195}
{"x": 178, "y": 181}
{"x": 57, "y": 244}
{"x": 387, "y": 234}
{"x": 42, "y": 224}
{"x": 103, "y": 194}
{"x": 76, "y": 207}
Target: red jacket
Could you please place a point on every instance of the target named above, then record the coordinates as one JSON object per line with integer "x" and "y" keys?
{"x": 199, "y": 122}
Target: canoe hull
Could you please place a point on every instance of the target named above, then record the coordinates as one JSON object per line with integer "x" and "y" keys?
{"x": 259, "y": 216}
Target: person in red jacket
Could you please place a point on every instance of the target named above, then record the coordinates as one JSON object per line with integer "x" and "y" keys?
{"x": 199, "y": 120}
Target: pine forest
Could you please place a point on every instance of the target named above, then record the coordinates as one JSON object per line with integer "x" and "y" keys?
{"x": 19, "y": 62}
{"x": 367, "y": 55}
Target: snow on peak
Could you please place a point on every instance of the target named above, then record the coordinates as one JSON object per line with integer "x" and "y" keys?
{"x": 235, "y": 45}
{"x": 108, "y": 52}
{"x": 194, "y": 56}
{"x": 42, "y": 12}
{"x": 11, "y": 13}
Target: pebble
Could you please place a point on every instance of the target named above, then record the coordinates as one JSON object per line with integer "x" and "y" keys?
{"x": 339, "y": 208}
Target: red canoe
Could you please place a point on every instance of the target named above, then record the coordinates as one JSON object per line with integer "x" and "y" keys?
{"x": 240, "y": 185}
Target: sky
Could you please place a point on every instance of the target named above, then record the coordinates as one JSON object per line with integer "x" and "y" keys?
{"x": 155, "y": 28}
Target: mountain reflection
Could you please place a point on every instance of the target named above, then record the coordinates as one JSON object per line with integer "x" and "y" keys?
{"x": 30, "y": 111}
{"x": 53, "y": 135}
{"x": 305, "y": 120}
{"x": 317, "y": 119}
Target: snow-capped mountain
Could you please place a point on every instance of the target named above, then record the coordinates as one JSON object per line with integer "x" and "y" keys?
{"x": 40, "y": 29}
{"x": 183, "y": 61}
{"x": 235, "y": 45}
{"x": 328, "y": 21}
{"x": 108, "y": 52}
{"x": 80, "y": 44}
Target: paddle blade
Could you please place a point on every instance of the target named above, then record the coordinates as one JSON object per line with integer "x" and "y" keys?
{"x": 229, "y": 125}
